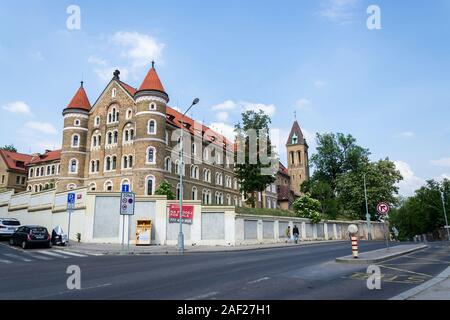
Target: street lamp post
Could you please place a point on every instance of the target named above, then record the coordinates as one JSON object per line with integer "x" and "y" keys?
{"x": 445, "y": 216}
{"x": 180, "y": 171}
{"x": 369, "y": 233}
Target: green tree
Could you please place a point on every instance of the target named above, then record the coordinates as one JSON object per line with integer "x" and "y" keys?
{"x": 251, "y": 174}
{"x": 336, "y": 155}
{"x": 307, "y": 207}
{"x": 323, "y": 192}
{"x": 381, "y": 180}
{"x": 9, "y": 148}
{"x": 165, "y": 189}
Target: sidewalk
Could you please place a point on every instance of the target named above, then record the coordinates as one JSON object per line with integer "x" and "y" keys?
{"x": 437, "y": 288}
{"x": 117, "y": 249}
{"x": 381, "y": 254}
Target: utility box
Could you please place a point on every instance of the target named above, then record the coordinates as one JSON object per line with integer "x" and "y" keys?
{"x": 143, "y": 232}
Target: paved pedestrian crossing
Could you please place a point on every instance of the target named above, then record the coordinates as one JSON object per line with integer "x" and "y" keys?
{"x": 31, "y": 256}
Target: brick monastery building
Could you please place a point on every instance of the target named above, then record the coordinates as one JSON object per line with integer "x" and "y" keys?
{"x": 127, "y": 137}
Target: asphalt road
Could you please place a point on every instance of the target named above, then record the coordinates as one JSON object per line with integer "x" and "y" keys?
{"x": 307, "y": 272}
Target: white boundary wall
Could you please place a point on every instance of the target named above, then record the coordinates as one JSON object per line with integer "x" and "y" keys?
{"x": 96, "y": 217}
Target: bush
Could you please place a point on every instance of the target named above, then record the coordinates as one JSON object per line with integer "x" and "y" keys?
{"x": 307, "y": 207}
{"x": 165, "y": 189}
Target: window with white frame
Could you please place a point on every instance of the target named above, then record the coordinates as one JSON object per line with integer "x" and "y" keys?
{"x": 152, "y": 106}
{"x": 113, "y": 93}
{"x": 75, "y": 141}
{"x": 31, "y": 173}
{"x": 73, "y": 166}
{"x": 194, "y": 193}
{"x": 151, "y": 155}
{"x": 77, "y": 122}
{"x": 92, "y": 186}
{"x": 150, "y": 185}
{"x": 194, "y": 149}
{"x": 194, "y": 172}
{"x": 168, "y": 164}
{"x": 108, "y": 186}
{"x": 151, "y": 129}
{"x": 70, "y": 186}
{"x": 228, "y": 200}
{"x": 113, "y": 115}
{"x": 97, "y": 121}
{"x": 129, "y": 114}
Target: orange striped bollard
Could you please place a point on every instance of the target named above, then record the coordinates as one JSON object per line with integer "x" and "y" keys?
{"x": 355, "y": 247}
{"x": 353, "y": 231}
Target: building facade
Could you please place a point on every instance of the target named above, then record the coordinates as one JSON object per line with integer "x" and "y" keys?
{"x": 133, "y": 137}
{"x": 13, "y": 172}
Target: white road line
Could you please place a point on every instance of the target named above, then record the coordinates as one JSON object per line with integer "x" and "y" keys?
{"x": 53, "y": 254}
{"x": 259, "y": 280}
{"x": 5, "y": 261}
{"x": 204, "y": 296}
{"x": 71, "y": 253}
{"x": 15, "y": 256}
{"x": 36, "y": 256}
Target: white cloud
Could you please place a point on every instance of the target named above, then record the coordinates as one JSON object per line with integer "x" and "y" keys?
{"x": 42, "y": 127}
{"x": 303, "y": 104}
{"x": 407, "y": 134}
{"x": 268, "y": 109}
{"x": 319, "y": 83}
{"x": 444, "y": 162}
{"x": 226, "y": 105}
{"x": 222, "y": 116}
{"x": 339, "y": 11}
{"x": 224, "y": 128}
{"x": 410, "y": 181}
{"x": 97, "y": 60}
{"x": 139, "y": 48}
{"x": 17, "y": 107}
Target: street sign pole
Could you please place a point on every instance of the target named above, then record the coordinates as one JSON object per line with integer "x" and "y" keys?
{"x": 369, "y": 232}
{"x": 383, "y": 210}
{"x": 70, "y": 207}
{"x": 127, "y": 200}
{"x": 445, "y": 216}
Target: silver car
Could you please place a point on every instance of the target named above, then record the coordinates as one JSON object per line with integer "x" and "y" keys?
{"x": 8, "y": 226}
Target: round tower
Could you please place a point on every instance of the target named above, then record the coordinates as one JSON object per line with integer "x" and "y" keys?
{"x": 150, "y": 141}
{"x": 73, "y": 153}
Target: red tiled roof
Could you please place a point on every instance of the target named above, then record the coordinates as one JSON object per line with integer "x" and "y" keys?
{"x": 283, "y": 169}
{"x": 152, "y": 82}
{"x": 15, "y": 161}
{"x": 49, "y": 155}
{"x": 284, "y": 193}
{"x": 129, "y": 88}
{"x": 80, "y": 100}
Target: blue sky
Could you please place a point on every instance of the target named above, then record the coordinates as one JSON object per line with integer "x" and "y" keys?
{"x": 389, "y": 88}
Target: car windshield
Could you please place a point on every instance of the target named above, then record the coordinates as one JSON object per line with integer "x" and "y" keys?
{"x": 11, "y": 223}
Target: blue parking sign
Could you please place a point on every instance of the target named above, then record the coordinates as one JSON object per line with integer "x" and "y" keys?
{"x": 70, "y": 200}
{"x": 125, "y": 188}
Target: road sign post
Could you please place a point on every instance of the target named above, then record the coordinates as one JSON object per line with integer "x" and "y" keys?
{"x": 127, "y": 200}
{"x": 383, "y": 210}
{"x": 70, "y": 207}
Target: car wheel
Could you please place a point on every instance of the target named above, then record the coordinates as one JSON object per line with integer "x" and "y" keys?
{"x": 11, "y": 242}
{"x": 24, "y": 245}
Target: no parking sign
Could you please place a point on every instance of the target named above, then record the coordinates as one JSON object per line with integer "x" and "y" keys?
{"x": 127, "y": 203}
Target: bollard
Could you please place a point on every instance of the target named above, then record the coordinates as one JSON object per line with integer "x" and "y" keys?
{"x": 354, "y": 247}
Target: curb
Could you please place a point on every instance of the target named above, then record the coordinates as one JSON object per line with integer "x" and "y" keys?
{"x": 424, "y": 286}
{"x": 166, "y": 252}
{"x": 346, "y": 259}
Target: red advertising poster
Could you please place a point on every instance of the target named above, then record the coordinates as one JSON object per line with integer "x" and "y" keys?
{"x": 174, "y": 213}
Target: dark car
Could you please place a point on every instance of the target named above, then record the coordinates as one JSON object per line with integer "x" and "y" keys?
{"x": 25, "y": 236}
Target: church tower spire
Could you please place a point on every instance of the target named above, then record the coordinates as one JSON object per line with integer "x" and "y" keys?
{"x": 298, "y": 162}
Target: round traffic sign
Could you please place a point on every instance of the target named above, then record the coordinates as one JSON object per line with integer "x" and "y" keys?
{"x": 383, "y": 208}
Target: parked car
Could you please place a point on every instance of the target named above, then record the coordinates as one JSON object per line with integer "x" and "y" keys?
{"x": 8, "y": 226}
{"x": 25, "y": 236}
{"x": 59, "y": 238}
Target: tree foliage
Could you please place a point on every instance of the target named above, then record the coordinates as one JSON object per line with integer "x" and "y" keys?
{"x": 250, "y": 174}
{"x": 423, "y": 212}
{"x": 165, "y": 189}
{"x": 307, "y": 207}
{"x": 9, "y": 148}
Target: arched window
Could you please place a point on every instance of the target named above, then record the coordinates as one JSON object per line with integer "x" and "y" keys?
{"x": 125, "y": 162}
{"x": 194, "y": 172}
{"x": 77, "y": 122}
{"x": 73, "y": 166}
{"x": 110, "y": 135}
{"x": 97, "y": 121}
{"x": 228, "y": 200}
{"x": 151, "y": 155}
{"x": 42, "y": 171}
{"x": 113, "y": 93}
{"x": 92, "y": 166}
{"x": 29, "y": 188}
{"x": 94, "y": 141}
{"x": 194, "y": 193}
{"x": 235, "y": 200}
{"x": 168, "y": 164}
{"x": 114, "y": 163}
{"x": 129, "y": 114}
{"x": 150, "y": 185}
{"x": 130, "y": 161}
{"x": 108, "y": 186}
{"x": 152, "y": 106}
{"x": 75, "y": 141}
{"x": 108, "y": 164}
{"x": 194, "y": 149}
{"x": 151, "y": 127}
{"x": 70, "y": 186}
{"x": 31, "y": 172}
{"x": 92, "y": 186}
{"x": 116, "y": 136}
{"x": 48, "y": 170}
{"x": 53, "y": 169}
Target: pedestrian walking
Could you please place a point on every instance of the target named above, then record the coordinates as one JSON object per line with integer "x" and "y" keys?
{"x": 288, "y": 233}
{"x": 296, "y": 233}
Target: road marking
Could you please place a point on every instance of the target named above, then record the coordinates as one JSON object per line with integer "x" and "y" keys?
{"x": 53, "y": 254}
{"x": 5, "y": 261}
{"x": 259, "y": 280}
{"x": 204, "y": 296}
{"x": 427, "y": 259}
{"x": 36, "y": 256}
{"x": 408, "y": 271}
{"x": 15, "y": 256}
{"x": 71, "y": 253}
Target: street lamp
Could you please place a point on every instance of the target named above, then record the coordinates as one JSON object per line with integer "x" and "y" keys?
{"x": 445, "y": 216}
{"x": 180, "y": 171}
{"x": 369, "y": 233}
